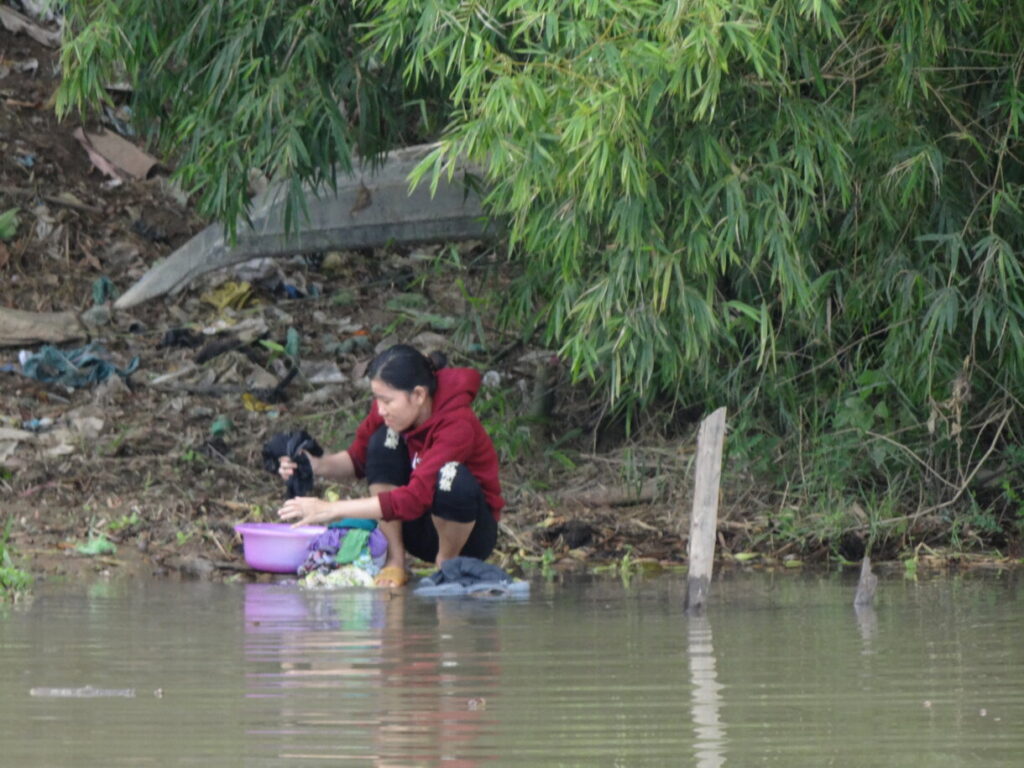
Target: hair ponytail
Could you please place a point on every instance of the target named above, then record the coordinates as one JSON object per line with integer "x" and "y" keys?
{"x": 405, "y": 367}
{"x": 437, "y": 360}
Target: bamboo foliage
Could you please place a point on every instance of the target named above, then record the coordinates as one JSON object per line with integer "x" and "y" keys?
{"x": 230, "y": 87}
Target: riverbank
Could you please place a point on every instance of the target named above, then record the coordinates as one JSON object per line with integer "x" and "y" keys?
{"x": 147, "y": 466}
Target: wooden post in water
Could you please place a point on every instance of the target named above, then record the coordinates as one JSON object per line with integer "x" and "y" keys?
{"x": 704, "y": 520}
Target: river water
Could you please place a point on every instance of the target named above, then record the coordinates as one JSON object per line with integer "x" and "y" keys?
{"x": 781, "y": 671}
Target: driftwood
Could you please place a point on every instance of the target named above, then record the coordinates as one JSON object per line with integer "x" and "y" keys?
{"x": 20, "y": 328}
{"x": 373, "y": 207}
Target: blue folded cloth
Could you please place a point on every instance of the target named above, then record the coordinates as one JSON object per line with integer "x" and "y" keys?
{"x": 489, "y": 589}
{"x": 471, "y": 576}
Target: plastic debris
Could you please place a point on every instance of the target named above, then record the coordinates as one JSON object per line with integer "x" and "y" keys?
{"x": 149, "y": 231}
{"x": 181, "y": 337}
{"x": 97, "y": 317}
{"x": 323, "y": 372}
{"x": 37, "y": 425}
{"x": 221, "y": 426}
{"x": 291, "y": 344}
{"x": 115, "y": 156}
{"x": 119, "y": 119}
{"x": 74, "y": 368}
{"x": 8, "y": 224}
{"x": 407, "y": 301}
{"x": 254, "y": 404}
{"x": 98, "y": 545}
{"x": 103, "y": 290}
{"x": 231, "y": 294}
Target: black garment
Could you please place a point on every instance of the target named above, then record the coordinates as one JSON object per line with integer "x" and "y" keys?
{"x": 458, "y": 497}
{"x": 293, "y": 445}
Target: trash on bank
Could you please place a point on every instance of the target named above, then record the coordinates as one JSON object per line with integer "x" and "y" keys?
{"x": 103, "y": 290}
{"x": 74, "y": 368}
{"x": 97, "y": 316}
{"x": 97, "y": 545}
{"x": 180, "y": 337}
{"x": 115, "y": 156}
{"x": 230, "y": 294}
{"x": 120, "y": 119}
{"x": 8, "y": 224}
{"x": 323, "y": 372}
{"x": 37, "y": 425}
{"x": 221, "y": 426}
{"x": 17, "y": 23}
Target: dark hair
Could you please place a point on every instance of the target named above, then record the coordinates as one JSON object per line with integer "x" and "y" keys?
{"x": 404, "y": 367}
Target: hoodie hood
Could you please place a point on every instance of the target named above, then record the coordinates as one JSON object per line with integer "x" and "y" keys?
{"x": 456, "y": 388}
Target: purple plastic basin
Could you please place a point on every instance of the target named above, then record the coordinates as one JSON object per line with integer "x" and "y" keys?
{"x": 276, "y": 547}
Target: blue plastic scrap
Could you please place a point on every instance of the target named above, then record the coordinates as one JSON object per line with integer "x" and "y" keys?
{"x": 74, "y": 367}
{"x": 103, "y": 290}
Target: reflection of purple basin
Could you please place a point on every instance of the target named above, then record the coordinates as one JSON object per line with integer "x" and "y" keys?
{"x": 276, "y": 547}
{"x": 274, "y": 605}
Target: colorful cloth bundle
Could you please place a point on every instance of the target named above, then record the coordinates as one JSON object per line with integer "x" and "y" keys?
{"x": 346, "y": 544}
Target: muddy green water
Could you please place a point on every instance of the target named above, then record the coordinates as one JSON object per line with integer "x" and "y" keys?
{"x": 782, "y": 671}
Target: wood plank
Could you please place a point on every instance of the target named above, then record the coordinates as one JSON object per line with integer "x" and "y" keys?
{"x": 372, "y": 208}
{"x": 21, "y": 328}
{"x": 704, "y": 519}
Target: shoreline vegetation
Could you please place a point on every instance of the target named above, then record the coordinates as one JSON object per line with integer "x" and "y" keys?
{"x": 809, "y": 213}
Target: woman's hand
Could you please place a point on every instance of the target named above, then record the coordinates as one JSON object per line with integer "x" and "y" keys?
{"x": 286, "y": 466}
{"x": 305, "y": 510}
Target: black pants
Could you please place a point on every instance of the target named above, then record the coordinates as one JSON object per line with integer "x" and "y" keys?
{"x": 458, "y": 497}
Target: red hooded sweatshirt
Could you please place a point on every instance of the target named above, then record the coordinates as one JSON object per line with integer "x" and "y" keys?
{"x": 452, "y": 433}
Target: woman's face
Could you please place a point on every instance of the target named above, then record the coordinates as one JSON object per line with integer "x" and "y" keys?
{"x": 400, "y": 410}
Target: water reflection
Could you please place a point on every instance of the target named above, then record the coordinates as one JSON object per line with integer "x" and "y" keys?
{"x": 585, "y": 673}
{"x": 867, "y": 623}
{"x": 379, "y": 678}
{"x": 709, "y": 731}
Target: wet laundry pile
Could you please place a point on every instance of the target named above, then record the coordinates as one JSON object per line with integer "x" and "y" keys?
{"x": 472, "y": 577}
{"x": 350, "y": 553}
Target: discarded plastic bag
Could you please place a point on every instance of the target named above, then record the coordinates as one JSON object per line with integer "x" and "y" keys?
{"x": 74, "y": 368}
{"x": 100, "y": 545}
{"x": 114, "y": 156}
